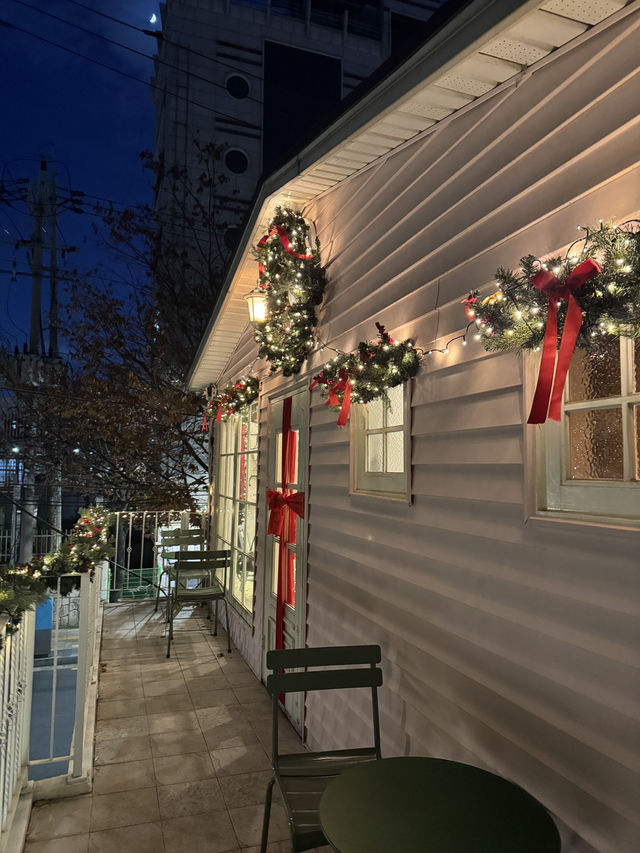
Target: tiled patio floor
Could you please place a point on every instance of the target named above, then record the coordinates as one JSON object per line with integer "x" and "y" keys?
{"x": 181, "y": 750}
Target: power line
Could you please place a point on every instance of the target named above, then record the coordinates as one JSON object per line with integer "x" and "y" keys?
{"x": 130, "y": 49}
{"x": 217, "y": 113}
{"x": 160, "y": 35}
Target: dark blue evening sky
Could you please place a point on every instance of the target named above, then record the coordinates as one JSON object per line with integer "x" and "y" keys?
{"x": 92, "y": 121}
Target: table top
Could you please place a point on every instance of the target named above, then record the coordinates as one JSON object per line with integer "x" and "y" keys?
{"x": 430, "y": 805}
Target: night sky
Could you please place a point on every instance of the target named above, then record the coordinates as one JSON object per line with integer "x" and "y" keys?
{"x": 92, "y": 121}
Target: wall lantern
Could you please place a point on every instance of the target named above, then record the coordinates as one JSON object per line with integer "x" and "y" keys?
{"x": 257, "y": 305}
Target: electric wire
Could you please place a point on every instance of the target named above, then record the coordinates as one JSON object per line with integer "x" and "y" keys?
{"x": 151, "y": 85}
{"x": 160, "y": 35}
{"x": 148, "y": 56}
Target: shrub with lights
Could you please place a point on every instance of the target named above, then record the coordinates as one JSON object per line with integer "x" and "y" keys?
{"x": 367, "y": 373}
{"x": 292, "y": 280}
{"x": 233, "y": 399}
{"x": 564, "y": 302}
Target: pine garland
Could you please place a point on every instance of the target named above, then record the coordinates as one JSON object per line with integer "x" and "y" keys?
{"x": 233, "y": 398}
{"x": 514, "y": 317}
{"x": 370, "y": 371}
{"x": 293, "y": 287}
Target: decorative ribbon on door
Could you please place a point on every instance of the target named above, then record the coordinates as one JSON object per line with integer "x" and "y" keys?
{"x": 282, "y": 503}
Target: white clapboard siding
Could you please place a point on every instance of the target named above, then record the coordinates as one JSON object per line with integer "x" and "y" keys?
{"x": 509, "y": 641}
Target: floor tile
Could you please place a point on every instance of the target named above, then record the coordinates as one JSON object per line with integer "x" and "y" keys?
{"x": 223, "y": 734}
{"x": 189, "y": 798}
{"x": 144, "y": 838}
{"x": 127, "y": 776}
{"x": 165, "y": 687}
{"x": 67, "y": 844}
{"x": 245, "y": 789}
{"x": 177, "y": 743}
{"x": 121, "y": 726}
{"x": 179, "y": 721}
{"x": 108, "y": 709}
{"x": 214, "y": 680}
{"x": 127, "y": 748}
{"x": 124, "y": 809}
{"x": 241, "y": 679}
{"x": 169, "y": 704}
{"x": 203, "y": 833}
{"x": 200, "y": 670}
{"x": 211, "y": 698}
{"x": 239, "y": 759}
{"x": 252, "y": 695}
{"x": 55, "y": 818}
{"x": 247, "y": 822}
{"x": 170, "y": 769}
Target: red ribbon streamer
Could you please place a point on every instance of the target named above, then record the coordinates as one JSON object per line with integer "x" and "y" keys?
{"x": 548, "y": 393}
{"x": 277, "y": 500}
{"x": 284, "y": 239}
{"x": 205, "y": 425}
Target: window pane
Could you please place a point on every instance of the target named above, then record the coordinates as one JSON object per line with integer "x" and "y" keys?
{"x": 375, "y": 414}
{"x": 395, "y": 411}
{"x": 636, "y": 429}
{"x": 248, "y": 584}
{"x": 226, "y": 521}
{"x": 374, "y": 452}
{"x": 238, "y": 576}
{"x": 253, "y": 427}
{"x": 594, "y": 375}
{"x": 595, "y": 440}
{"x": 252, "y": 477}
{"x": 395, "y": 452}
{"x": 250, "y": 537}
{"x": 240, "y": 530}
{"x": 226, "y": 476}
{"x": 241, "y": 490}
{"x": 226, "y": 437}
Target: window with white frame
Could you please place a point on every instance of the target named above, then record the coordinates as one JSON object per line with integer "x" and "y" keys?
{"x": 592, "y": 457}
{"x": 380, "y": 445}
{"x": 236, "y": 497}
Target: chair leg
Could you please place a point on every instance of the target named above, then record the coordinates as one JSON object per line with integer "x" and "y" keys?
{"x": 170, "y": 620}
{"x": 226, "y": 610}
{"x": 267, "y": 815}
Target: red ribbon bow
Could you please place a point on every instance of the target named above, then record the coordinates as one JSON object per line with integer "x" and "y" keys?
{"x": 277, "y": 502}
{"x": 548, "y": 387}
{"x": 284, "y": 239}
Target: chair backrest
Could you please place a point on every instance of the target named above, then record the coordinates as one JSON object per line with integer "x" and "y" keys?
{"x": 209, "y": 561}
{"x": 361, "y": 671}
{"x": 176, "y": 538}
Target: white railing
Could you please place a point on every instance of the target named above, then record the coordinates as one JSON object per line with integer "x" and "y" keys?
{"x": 41, "y": 753}
{"x": 16, "y": 659}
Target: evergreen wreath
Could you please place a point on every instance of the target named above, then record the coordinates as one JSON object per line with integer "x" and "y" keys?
{"x": 515, "y": 316}
{"x": 233, "y": 398}
{"x": 293, "y": 281}
{"x": 368, "y": 372}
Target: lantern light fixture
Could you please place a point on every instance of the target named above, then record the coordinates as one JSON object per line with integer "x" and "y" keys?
{"x": 257, "y": 305}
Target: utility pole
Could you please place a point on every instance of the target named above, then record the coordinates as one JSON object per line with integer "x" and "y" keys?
{"x": 53, "y": 269}
{"x": 37, "y": 206}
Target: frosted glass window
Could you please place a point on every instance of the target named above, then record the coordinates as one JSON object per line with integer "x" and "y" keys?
{"x": 395, "y": 452}
{"x": 595, "y": 439}
{"x": 595, "y": 375}
{"x": 395, "y": 408}
{"x": 375, "y": 461}
{"x": 375, "y": 414}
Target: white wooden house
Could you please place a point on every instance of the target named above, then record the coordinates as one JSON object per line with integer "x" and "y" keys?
{"x": 504, "y": 596}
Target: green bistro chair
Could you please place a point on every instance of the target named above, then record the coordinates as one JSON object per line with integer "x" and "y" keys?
{"x": 202, "y": 567}
{"x": 172, "y": 541}
{"x": 302, "y": 777}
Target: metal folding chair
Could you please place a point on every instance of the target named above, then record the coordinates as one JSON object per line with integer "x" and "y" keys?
{"x": 302, "y": 777}
{"x": 203, "y": 567}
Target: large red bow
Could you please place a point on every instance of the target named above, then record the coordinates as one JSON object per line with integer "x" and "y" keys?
{"x": 555, "y": 289}
{"x": 276, "y": 502}
{"x": 284, "y": 239}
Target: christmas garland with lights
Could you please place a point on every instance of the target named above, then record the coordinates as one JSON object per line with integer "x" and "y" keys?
{"x": 564, "y": 302}
{"x": 232, "y": 399}
{"x": 293, "y": 281}
{"x": 23, "y": 587}
{"x": 368, "y": 372}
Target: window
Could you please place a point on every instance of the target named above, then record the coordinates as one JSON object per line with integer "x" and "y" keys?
{"x": 380, "y": 451}
{"x": 236, "y": 498}
{"x": 236, "y": 161}
{"x": 592, "y": 457}
{"x": 237, "y": 86}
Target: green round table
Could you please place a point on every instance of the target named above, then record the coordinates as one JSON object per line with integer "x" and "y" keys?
{"x": 429, "y": 805}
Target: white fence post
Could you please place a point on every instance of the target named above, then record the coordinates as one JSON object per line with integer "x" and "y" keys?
{"x": 85, "y": 657}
